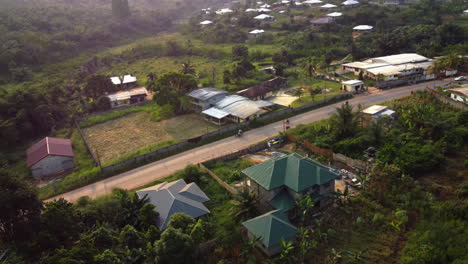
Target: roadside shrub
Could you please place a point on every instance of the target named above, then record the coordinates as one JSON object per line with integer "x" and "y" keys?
{"x": 163, "y": 112}
{"x": 191, "y": 173}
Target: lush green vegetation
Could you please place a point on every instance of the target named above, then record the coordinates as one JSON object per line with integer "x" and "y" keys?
{"x": 417, "y": 141}
{"x": 230, "y": 171}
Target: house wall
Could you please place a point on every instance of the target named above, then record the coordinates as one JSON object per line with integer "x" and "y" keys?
{"x": 459, "y": 98}
{"x": 51, "y": 165}
{"x": 201, "y": 105}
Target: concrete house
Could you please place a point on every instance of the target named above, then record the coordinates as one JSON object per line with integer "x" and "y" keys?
{"x": 352, "y": 85}
{"x": 204, "y": 98}
{"x": 176, "y": 197}
{"x": 127, "y": 97}
{"x": 278, "y": 181}
{"x": 271, "y": 228}
{"x": 50, "y": 157}
{"x": 459, "y": 94}
{"x": 236, "y": 109}
{"x": 375, "y": 112}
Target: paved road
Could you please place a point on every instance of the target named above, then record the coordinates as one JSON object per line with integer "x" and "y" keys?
{"x": 163, "y": 168}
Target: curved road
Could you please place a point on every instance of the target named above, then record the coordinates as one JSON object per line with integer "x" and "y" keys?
{"x": 159, "y": 169}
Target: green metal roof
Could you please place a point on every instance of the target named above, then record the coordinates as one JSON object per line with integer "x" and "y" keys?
{"x": 294, "y": 171}
{"x": 271, "y": 228}
{"x": 283, "y": 201}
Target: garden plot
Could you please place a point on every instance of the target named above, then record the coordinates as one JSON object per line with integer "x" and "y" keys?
{"x": 135, "y": 133}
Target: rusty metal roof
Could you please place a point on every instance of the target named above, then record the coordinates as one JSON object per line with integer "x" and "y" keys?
{"x": 48, "y": 146}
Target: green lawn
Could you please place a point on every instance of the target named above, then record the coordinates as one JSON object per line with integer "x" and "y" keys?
{"x": 312, "y": 83}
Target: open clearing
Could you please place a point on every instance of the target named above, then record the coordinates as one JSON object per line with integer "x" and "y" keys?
{"x": 135, "y": 131}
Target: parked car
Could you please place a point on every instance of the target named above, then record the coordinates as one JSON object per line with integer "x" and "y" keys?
{"x": 460, "y": 78}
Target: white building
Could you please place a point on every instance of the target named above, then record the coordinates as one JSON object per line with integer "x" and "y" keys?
{"x": 328, "y": 6}
{"x": 127, "y": 97}
{"x": 460, "y": 94}
{"x": 206, "y": 22}
{"x": 256, "y": 33}
{"x": 408, "y": 66}
{"x": 363, "y": 28}
{"x": 264, "y": 18}
{"x": 352, "y": 85}
{"x": 377, "y": 111}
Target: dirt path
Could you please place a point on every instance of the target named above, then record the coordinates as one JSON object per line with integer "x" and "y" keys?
{"x": 166, "y": 167}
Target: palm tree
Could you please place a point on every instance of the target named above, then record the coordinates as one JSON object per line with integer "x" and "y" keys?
{"x": 314, "y": 92}
{"x": 304, "y": 206}
{"x": 244, "y": 205}
{"x": 309, "y": 68}
{"x": 345, "y": 121}
{"x": 287, "y": 252}
{"x": 187, "y": 68}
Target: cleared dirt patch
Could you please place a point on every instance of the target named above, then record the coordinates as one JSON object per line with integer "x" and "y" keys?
{"x": 135, "y": 131}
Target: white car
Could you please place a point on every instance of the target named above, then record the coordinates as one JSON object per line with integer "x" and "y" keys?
{"x": 460, "y": 78}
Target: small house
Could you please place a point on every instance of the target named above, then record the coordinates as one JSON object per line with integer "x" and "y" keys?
{"x": 352, "y": 85}
{"x": 459, "y": 94}
{"x": 264, "y": 18}
{"x": 124, "y": 82}
{"x": 278, "y": 181}
{"x": 377, "y": 111}
{"x": 270, "y": 228}
{"x": 312, "y": 2}
{"x": 237, "y": 109}
{"x": 204, "y": 98}
{"x": 362, "y": 28}
{"x": 328, "y": 6}
{"x": 176, "y": 197}
{"x": 256, "y": 33}
{"x": 350, "y": 3}
{"x": 128, "y": 97}
{"x": 50, "y": 157}
{"x": 206, "y": 23}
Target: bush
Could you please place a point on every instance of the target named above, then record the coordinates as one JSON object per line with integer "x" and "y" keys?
{"x": 161, "y": 113}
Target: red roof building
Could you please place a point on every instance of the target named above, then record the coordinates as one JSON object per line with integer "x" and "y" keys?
{"x": 50, "y": 156}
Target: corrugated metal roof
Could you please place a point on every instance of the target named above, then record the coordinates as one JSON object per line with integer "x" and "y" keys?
{"x": 335, "y": 14}
{"x": 215, "y": 112}
{"x": 127, "y": 94}
{"x": 294, "y": 171}
{"x": 283, "y": 201}
{"x": 398, "y": 59}
{"x": 239, "y": 106}
{"x": 263, "y": 16}
{"x": 363, "y": 27}
{"x": 353, "y": 82}
{"x": 322, "y": 20}
{"x": 271, "y": 228}
{"x": 176, "y": 197}
{"x": 126, "y": 79}
{"x": 328, "y": 6}
{"x": 372, "y": 110}
{"x": 48, "y": 146}
{"x": 460, "y": 91}
{"x": 205, "y": 93}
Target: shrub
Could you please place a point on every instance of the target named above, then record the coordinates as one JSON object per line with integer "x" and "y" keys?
{"x": 161, "y": 113}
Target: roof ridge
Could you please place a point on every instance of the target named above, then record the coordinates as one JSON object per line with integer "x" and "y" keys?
{"x": 47, "y": 145}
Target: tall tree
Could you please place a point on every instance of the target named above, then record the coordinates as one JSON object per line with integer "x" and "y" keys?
{"x": 244, "y": 205}
{"x": 174, "y": 247}
{"x": 98, "y": 85}
{"x": 345, "y": 121}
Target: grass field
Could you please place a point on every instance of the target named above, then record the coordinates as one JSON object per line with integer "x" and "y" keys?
{"x": 333, "y": 89}
{"x": 133, "y": 132}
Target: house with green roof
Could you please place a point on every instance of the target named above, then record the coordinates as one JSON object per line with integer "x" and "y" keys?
{"x": 278, "y": 181}
{"x": 270, "y": 228}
